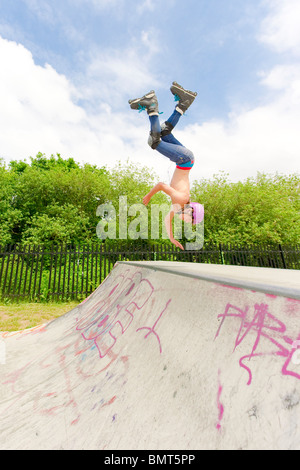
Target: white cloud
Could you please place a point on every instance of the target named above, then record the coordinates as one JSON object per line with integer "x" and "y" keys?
{"x": 112, "y": 76}
{"x": 116, "y": 5}
{"x": 34, "y": 89}
{"x": 42, "y": 9}
{"x": 105, "y": 3}
{"x": 39, "y": 113}
{"x": 265, "y": 138}
{"x": 115, "y": 74}
{"x": 146, "y": 5}
{"x": 281, "y": 28}
{"x": 36, "y": 103}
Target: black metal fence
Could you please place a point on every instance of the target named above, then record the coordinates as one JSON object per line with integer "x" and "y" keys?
{"x": 65, "y": 273}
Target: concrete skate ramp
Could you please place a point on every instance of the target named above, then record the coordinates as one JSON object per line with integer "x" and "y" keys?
{"x": 161, "y": 356}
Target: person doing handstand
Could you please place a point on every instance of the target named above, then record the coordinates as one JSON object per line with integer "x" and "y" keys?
{"x": 162, "y": 140}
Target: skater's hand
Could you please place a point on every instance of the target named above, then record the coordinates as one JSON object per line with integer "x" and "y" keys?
{"x": 177, "y": 243}
{"x": 168, "y": 223}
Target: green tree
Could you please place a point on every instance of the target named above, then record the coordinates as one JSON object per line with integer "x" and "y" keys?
{"x": 10, "y": 216}
{"x": 58, "y": 224}
{"x": 45, "y": 185}
{"x": 264, "y": 210}
{"x": 55, "y": 200}
{"x": 130, "y": 182}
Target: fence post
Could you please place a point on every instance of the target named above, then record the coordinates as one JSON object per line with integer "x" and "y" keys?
{"x": 221, "y": 253}
{"x": 21, "y": 268}
{"x": 282, "y": 256}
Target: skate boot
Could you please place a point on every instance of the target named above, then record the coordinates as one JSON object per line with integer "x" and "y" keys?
{"x": 148, "y": 102}
{"x": 184, "y": 97}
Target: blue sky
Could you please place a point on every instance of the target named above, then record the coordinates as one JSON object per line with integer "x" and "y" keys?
{"x": 68, "y": 68}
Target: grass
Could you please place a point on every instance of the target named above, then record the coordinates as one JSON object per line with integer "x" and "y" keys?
{"x": 15, "y": 317}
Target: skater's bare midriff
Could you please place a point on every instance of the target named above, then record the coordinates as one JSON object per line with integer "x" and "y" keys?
{"x": 181, "y": 183}
{"x": 179, "y": 192}
{"x": 178, "y": 189}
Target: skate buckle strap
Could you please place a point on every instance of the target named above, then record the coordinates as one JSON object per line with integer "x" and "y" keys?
{"x": 141, "y": 108}
{"x": 153, "y": 106}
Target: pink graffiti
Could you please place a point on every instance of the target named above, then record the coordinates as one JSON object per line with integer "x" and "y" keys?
{"x": 152, "y": 329}
{"x": 62, "y": 397}
{"x": 259, "y": 322}
{"x": 114, "y": 310}
{"x": 219, "y": 404}
{"x": 128, "y": 302}
{"x": 109, "y": 319}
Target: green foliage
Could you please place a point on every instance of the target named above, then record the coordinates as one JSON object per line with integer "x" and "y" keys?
{"x": 10, "y": 215}
{"x": 131, "y": 181}
{"x": 54, "y": 200}
{"x": 58, "y": 224}
{"x": 41, "y": 162}
{"x": 262, "y": 210}
{"x": 51, "y": 200}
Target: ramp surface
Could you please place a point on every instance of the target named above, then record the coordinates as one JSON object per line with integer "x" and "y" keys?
{"x": 161, "y": 356}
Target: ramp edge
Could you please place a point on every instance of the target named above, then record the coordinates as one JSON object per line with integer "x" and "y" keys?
{"x": 259, "y": 286}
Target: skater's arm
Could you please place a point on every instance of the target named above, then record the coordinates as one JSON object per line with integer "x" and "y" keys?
{"x": 176, "y": 196}
{"x": 151, "y": 193}
{"x": 168, "y": 223}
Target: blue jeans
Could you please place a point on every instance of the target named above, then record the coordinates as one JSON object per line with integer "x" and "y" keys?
{"x": 169, "y": 146}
